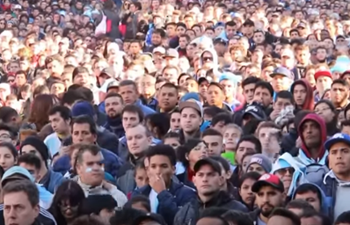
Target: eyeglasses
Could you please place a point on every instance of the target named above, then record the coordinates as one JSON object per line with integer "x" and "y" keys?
{"x": 205, "y": 59}
{"x": 284, "y": 171}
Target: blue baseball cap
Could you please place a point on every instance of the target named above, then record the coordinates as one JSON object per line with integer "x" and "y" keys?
{"x": 336, "y": 138}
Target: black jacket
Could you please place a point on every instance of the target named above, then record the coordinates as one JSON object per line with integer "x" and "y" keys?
{"x": 189, "y": 214}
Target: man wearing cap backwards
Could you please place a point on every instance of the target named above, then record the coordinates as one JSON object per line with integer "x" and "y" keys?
{"x": 208, "y": 181}
{"x": 335, "y": 182}
{"x": 269, "y": 195}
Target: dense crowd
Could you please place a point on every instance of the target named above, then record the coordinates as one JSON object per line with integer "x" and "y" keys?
{"x": 174, "y": 112}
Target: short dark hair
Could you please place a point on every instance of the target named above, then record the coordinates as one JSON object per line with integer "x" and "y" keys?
{"x": 26, "y": 186}
{"x": 93, "y": 149}
{"x": 64, "y": 112}
{"x": 343, "y": 218}
{"x": 87, "y": 220}
{"x": 133, "y": 109}
{"x": 252, "y": 139}
{"x": 113, "y": 94}
{"x": 285, "y": 95}
{"x": 250, "y": 80}
{"x": 299, "y": 204}
{"x": 237, "y": 217}
{"x": 9, "y": 129}
{"x": 127, "y": 83}
{"x": 214, "y": 212}
{"x": 71, "y": 96}
{"x": 143, "y": 200}
{"x": 264, "y": 85}
{"x": 164, "y": 150}
{"x": 6, "y": 114}
{"x": 172, "y": 134}
{"x": 170, "y": 85}
{"x": 212, "y": 111}
{"x": 85, "y": 119}
{"x": 79, "y": 69}
{"x": 30, "y": 159}
{"x": 211, "y": 132}
{"x": 223, "y": 162}
{"x": 230, "y": 23}
{"x": 312, "y": 213}
{"x": 341, "y": 82}
{"x": 287, "y": 214}
{"x": 307, "y": 187}
{"x": 224, "y": 116}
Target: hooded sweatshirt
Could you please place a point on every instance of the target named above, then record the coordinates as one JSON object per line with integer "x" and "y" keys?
{"x": 309, "y": 99}
{"x": 214, "y": 55}
{"x": 304, "y": 155}
{"x": 323, "y": 200}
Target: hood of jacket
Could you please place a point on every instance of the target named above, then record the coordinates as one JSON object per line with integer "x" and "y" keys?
{"x": 321, "y": 195}
{"x": 213, "y": 53}
{"x": 322, "y": 125}
{"x": 309, "y": 99}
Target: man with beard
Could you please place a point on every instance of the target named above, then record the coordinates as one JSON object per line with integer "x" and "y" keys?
{"x": 340, "y": 94}
{"x": 269, "y": 195}
{"x": 114, "y": 104}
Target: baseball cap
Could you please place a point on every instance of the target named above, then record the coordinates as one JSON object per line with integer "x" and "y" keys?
{"x": 192, "y": 104}
{"x": 220, "y": 41}
{"x": 219, "y": 24}
{"x": 159, "y": 49}
{"x": 287, "y": 52}
{"x": 323, "y": 73}
{"x": 113, "y": 84}
{"x": 336, "y": 138}
{"x": 262, "y": 160}
{"x": 17, "y": 170}
{"x": 268, "y": 180}
{"x": 108, "y": 71}
{"x": 255, "y": 111}
{"x": 207, "y": 161}
{"x": 17, "y": 7}
{"x": 171, "y": 53}
{"x": 281, "y": 71}
{"x": 302, "y": 25}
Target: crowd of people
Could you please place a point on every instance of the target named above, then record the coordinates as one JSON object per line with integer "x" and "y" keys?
{"x": 174, "y": 112}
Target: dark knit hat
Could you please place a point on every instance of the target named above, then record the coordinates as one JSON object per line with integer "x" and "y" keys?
{"x": 38, "y": 145}
{"x": 83, "y": 108}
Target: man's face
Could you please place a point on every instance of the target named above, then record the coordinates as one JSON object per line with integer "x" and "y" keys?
{"x": 207, "y": 181}
{"x": 303, "y": 56}
{"x": 58, "y": 124}
{"x": 82, "y": 79}
{"x": 280, "y": 83}
{"x": 130, "y": 119}
{"x": 214, "y": 143}
{"x": 244, "y": 148}
{"x": 81, "y": 134}
{"x": 175, "y": 121}
{"x": 148, "y": 88}
{"x": 263, "y": 96}
{"x": 248, "y": 92}
{"x": 323, "y": 83}
{"x": 311, "y": 134}
{"x": 321, "y": 54}
{"x": 281, "y": 103}
{"x": 32, "y": 170}
{"x": 18, "y": 210}
{"x": 156, "y": 39}
{"x": 170, "y": 74}
{"x": 299, "y": 94}
{"x": 160, "y": 166}
{"x": 55, "y": 67}
{"x": 267, "y": 198}
{"x": 258, "y": 37}
{"x": 228, "y": 87}
{"x": 190, "y": 120}
{"x": 339, "y": 93}
{"x": 324, "y": 111}
{"x": 279, "y": 220}
{"x": 207, "y": 58}
{"x": 311, "y": 198}
{"x": 171, "y": 30}
{"x": 128, "y": 93}
{"x": 230, "y": 31}
{"x": 91, "y": 169}
{"x": 339, "y": 158}
{"x": 231, "y": 138}
{"x": 113, "y": 106}
{"x": 137, "y": 140}
{"x": 167, "y": 98}
{"x": 215, "y": 95}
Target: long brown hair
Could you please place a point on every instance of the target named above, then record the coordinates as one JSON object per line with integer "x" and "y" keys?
{"x": 39, "y": 112}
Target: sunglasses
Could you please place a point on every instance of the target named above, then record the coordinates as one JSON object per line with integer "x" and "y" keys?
{"x": 205, "y": 59}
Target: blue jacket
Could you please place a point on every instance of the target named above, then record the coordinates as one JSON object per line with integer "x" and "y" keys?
{"x": 145, "y": 109}
{"x": 111, "y": 162}
{"x": 329, "y": 187}
{"x": 170, "y": 200}
{"x": 52, "y": 180}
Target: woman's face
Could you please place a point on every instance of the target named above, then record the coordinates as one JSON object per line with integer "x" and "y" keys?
{"x": 67, "y": 210}
{"x": 309, "y": 76}
{"x": 197, "y": 153}
{"x": 256, "y": 168}
{"x": 245, "y": 163}
{"x": 246, "y": 192}
{"x": 7, "y": 160}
